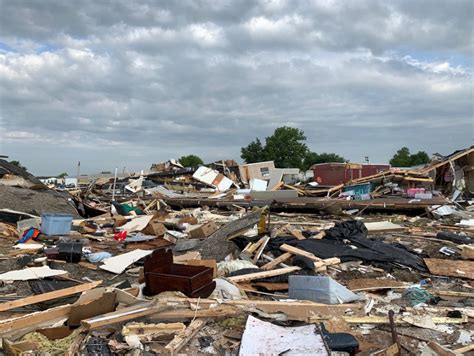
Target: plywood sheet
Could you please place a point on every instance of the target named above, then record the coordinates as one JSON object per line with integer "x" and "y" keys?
{"x": 363, "y": 284}
{"x": 450, "y": 268}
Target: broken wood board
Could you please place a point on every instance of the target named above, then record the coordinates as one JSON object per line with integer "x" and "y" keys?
{"x": 34, "y": 299}
{"x": 450, "y": 293}
{"x": 450, "y": 268}
{"x": 257, "y": 275}
{"x": 299, "y": 252}
{"x": 184, "y": 337}
{"x": 31, "y": 273}
{"x": 144, "y": 330}
{"x": 91, "y": 308}
{"x": 118, "y": 264}
{"x": 297, "y": 234}
{"x": 24, "y": 324}
{"x": 259, "y": 252}
{"x": 364, "y": 284}
{"x": 124, "y": 314}
{"x": 272, "y": 264}
{"x": 188, "y": 313}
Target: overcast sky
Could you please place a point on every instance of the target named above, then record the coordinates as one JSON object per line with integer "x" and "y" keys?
{"x": 129, "y": 83}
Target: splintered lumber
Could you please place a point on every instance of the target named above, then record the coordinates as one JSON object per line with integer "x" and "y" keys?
{"x": 261, "y": 248}
{"x": 183, "y": 338}
{"x": 258, "y": 275}
{"x": 142, "y": 329}
{"x": 450, "y": 268}
{"x": 48, "y": 296}
{"x": 327, "y": 262}
{"x": 249, "y": 250}
{"x": 272, "y": 264}
{"x": 34, "y": 320}
{"x": 299, "y": 252}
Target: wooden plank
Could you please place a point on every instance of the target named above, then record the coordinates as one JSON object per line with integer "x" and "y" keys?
{"x": 295, "y": 310}
{"x": 183, "y": 338}
{"x": 450, "y": 293}
{"x": 319, "y": 235}
{"x": 464, "y": 349}
{"x": 47, "y": 296}
{"x": 450, "y": 268}
{"x": 299, "y": 252}
{"x": 257, "y": 275}
{"x": 278, "y": 186}
{"x": 272, "y": 264}
{"x": 297, "y": 234}
{"x": 261, "y": 248}
{"x": 124, "y": 314}
{"x": 326, "y": 262}
{"x": 182, "y": 313}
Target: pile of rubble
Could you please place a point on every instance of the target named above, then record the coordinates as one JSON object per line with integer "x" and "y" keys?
{"x": 194, "y": 261}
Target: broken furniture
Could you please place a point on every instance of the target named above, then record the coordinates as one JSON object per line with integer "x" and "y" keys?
{"x": 162, "y": 275}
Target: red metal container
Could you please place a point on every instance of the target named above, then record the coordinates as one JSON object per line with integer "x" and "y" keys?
{"x": 339, "y": 173}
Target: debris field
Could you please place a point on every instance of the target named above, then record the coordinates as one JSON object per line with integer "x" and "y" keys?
{"x": 227, "y": 259}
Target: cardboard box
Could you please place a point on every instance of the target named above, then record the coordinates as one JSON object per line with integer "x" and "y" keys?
{"x": 203, "y": 231}
{"x": 155, "y": 228}
{"x": 188, "y": 220}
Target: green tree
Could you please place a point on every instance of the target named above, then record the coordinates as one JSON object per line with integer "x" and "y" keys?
{"x": 253, "y": 152}
{"x": 190, "y": 161}
{"x": 315, "y": 158}
{"x": 62, "y": 175}
{"x": 18, "y": 164}
{"x": 419, "y": 158}
{"x": 286, "y": 147}
{"x": 403, "y": 158}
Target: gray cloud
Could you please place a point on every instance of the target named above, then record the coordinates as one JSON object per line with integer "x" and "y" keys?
{"x": 116, "y": 83}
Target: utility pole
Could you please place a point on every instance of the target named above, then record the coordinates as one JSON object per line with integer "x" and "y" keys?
{"x": 78, "y": 172}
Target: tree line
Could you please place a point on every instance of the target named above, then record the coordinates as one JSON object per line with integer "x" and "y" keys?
{"x": 287, "y": 148}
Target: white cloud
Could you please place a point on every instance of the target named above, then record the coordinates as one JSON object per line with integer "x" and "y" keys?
{"x": 142, "y": 82}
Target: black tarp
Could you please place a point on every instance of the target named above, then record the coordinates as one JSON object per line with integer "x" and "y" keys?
{"x": 348, "y": 241}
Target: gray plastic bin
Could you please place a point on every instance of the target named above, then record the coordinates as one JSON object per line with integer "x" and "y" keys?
{"x": 56, "y": 224}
